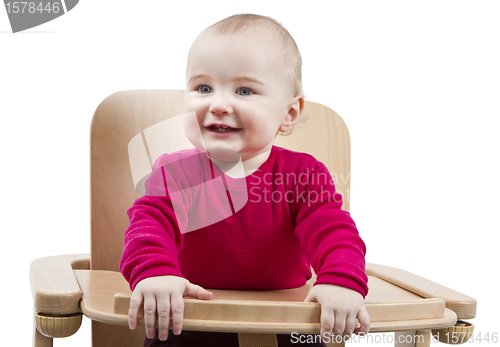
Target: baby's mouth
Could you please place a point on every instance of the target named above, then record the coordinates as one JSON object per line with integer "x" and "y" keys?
{"x": 222, "y": 129}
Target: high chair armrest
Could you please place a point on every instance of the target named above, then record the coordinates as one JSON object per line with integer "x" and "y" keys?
{"x": 54, "y": 286}
{"x": 463, "y": 305}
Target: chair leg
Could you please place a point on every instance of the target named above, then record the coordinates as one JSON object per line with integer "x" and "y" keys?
{"x": 38, "y": 339}
{"x": 41, "y": 341}
{"x": 257, "y": 340}
{"x": 420, "y": 338}
{"x": 105, "y": 335}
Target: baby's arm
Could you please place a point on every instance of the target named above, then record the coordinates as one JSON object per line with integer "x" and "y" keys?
{"x": 162, "y": 296}
{"x": 340, "y": 307}
{"x": 150, "y": 255}
{"x": 329, "y": 237}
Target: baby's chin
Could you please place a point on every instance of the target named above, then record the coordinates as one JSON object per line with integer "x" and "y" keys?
{"x": 224, "y": 154}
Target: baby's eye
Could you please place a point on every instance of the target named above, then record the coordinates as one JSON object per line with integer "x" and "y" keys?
{"x": 204, "y": 89}
{"x": 245, "y": 91}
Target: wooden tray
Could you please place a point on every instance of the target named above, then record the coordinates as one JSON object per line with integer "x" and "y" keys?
{"x": 106, "y": 297}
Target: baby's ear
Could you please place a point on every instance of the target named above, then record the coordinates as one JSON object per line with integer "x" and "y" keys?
{"x": 295, "y": 109}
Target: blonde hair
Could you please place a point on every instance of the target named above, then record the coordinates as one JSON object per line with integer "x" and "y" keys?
{"x": 252, "y": 22}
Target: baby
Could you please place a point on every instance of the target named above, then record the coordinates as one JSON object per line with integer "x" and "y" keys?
{"x": 244, "y": 85}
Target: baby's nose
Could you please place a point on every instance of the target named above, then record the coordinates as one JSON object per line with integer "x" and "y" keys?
{"x": 220, "y": 105}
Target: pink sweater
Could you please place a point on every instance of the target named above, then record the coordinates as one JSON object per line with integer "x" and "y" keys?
{"x": 286, "y": 219}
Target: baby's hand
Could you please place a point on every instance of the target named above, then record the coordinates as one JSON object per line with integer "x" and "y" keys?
{"x": 339, "y": 308}
{"x": 163, "y": 294}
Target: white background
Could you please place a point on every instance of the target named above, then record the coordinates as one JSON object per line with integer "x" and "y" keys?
{"x": 417, "y": 83}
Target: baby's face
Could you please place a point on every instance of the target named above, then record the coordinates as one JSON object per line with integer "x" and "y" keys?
{"x": 237, "y": 81}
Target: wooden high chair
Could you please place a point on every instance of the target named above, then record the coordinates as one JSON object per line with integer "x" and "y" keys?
{"x": 65, "y": 287}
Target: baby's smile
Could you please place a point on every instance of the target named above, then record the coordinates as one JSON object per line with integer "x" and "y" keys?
{"x": 220, "y": 128}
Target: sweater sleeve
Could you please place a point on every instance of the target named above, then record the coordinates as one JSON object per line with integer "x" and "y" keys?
{"x": 153, "y": 238}
{"x": 328, "y": 234}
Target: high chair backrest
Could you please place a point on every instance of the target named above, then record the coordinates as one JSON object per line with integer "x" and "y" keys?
{"x": 126, "y": 115}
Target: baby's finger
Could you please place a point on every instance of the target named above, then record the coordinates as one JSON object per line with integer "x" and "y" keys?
{"x": 149, "y": 315}
{"x": 364, "y": 321}
{"x": 350, "y": 325}
{"x": 198, "y": 292}
{"x": 177, "y": 303}
{"x": 327, "y": 321}
{"x": 339, "y": 327}
{"x": 135, "y": 304}
{"x": 163, "y": 317}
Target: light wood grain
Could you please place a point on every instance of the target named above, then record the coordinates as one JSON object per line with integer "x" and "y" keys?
{"x": 53, "y": 283}
{"x": 117, "y": 120}
{"x": 385, "y": 302}
{"x": 463, "y": 305}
